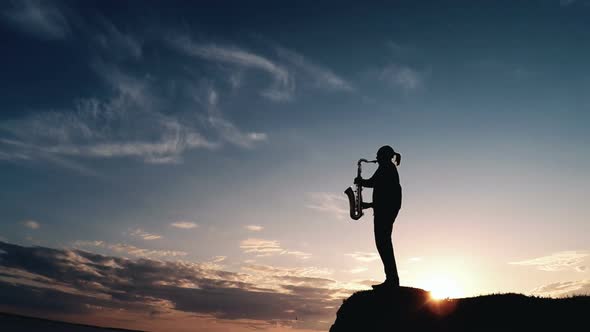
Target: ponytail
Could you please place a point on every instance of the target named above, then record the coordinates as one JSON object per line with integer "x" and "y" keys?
{"x": 397, "y": 158}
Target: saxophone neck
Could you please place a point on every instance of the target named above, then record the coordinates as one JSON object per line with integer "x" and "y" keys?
{"x": 365, "y": 161}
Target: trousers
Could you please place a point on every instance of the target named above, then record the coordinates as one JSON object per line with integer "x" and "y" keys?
{"x": 383, "y": 227}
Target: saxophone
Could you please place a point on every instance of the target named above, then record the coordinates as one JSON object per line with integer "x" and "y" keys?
{"x": 355, "y": 197}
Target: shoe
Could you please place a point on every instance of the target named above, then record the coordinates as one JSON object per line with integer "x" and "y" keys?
{"x": 387, "y": 284}
{"x": 382, "y": 285}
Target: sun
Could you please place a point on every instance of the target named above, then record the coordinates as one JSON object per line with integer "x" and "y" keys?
{"x": 442, "y": 287}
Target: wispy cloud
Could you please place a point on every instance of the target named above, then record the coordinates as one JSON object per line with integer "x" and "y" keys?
{"x": 218, "y": 259}
{"x": 154, "y": 116}
{"x": 320, "y": 76}
{"x": 564, "y": 288}
{"x": 559, "y": 261}
{"x": 42, "y": 19}
{"x": 297, "y": 254}
{"x": 183, "y": 224}
{"x": 298, "y": 276}
{"x": 401, "y": 76}
{"x": 226, "y": 129}
{"x": 263, "y": 248}
{"x": 282, "y": 86}
{"x": 334, "y": 204}
{"x": 145, "y": 235}
{"x": 31, "y": 224}
{"x": 282, "y": 71}
{"x": 358, "y": 269}
{"x": 254, "y": 228}
{"x": 104, "y": 129}
{"x": 131, "y": 250}
{"x": 401, "y": 51}
{"x": 117, "y": 43}
{"x": 19, "y": 151}
{"x": 134, "y": 119}
{"x": 401, "y": 72}
{"x": 364, "y": 256}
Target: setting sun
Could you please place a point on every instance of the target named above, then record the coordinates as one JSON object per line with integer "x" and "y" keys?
{"x": 442, "y": 287}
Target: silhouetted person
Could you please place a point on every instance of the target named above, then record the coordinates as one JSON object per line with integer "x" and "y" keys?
{"x": 387, "y": 200}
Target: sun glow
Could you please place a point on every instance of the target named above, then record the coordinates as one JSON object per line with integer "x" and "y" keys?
{"x": 442, "y": 287}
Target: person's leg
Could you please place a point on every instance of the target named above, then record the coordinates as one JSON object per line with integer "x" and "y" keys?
{"x": 383, "y": 226}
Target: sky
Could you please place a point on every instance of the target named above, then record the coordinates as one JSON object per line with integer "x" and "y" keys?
{"x": 176, "y": 166}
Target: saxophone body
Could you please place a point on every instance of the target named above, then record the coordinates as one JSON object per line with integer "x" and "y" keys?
{"x": 355, "y": 197}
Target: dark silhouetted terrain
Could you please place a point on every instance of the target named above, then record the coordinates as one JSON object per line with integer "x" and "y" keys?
{"x": 17, "y": 323}
{"x": 411, "y": 309}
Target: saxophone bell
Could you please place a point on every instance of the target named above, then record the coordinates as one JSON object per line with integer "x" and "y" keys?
{"x": 355, "y": 212}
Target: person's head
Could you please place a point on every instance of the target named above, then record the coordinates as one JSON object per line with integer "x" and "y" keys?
{"x": 385, "y": 154}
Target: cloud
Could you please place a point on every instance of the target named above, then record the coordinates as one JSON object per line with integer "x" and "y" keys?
{"x": 151, "y": 115}
{"x": 32, "y": 224}
{"x": 129, "y": 123}
{"x": 559, "y": 261}
{"x": 254, "y": 228}
{"x": 320, "y": 76}
{"x": 401, "y": 51}
{"x": 227, "y": 130}
{"x": 218, "y": 259}
{"x": 282, "y": 72}
{"x": 334, "y": 204}
{"x": 131, "y": 250}
{"x": 564, "y": 288}
{"x": 42, "y": 19}
{"x": 401, "y": 76}
{"x": 283, "y": 85}
{"x": 144, "y": 235}
{"x": 116, "y": 43}
{"x": 364, "y": 256}
{"x": 263, "y": 248}
{"x": 298, "y": 254}
{"x": 299, "y": 276}
{"x": 358, "y": 269}
{"x": 79, "y": 283}
{"x": 184, "y": 224}
{"x": 18, "y": 151}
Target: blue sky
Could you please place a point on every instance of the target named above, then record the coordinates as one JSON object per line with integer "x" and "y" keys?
{"x": 222, "y": 135}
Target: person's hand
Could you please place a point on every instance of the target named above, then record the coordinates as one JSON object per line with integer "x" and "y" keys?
{"x": 357, "y": 180}
{"x": 367, "y": 205}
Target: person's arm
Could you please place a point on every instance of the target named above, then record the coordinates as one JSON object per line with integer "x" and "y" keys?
{"x": 367, "y": 183}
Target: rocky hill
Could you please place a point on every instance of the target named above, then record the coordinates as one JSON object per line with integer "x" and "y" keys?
{"x": 412, "y": 309}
